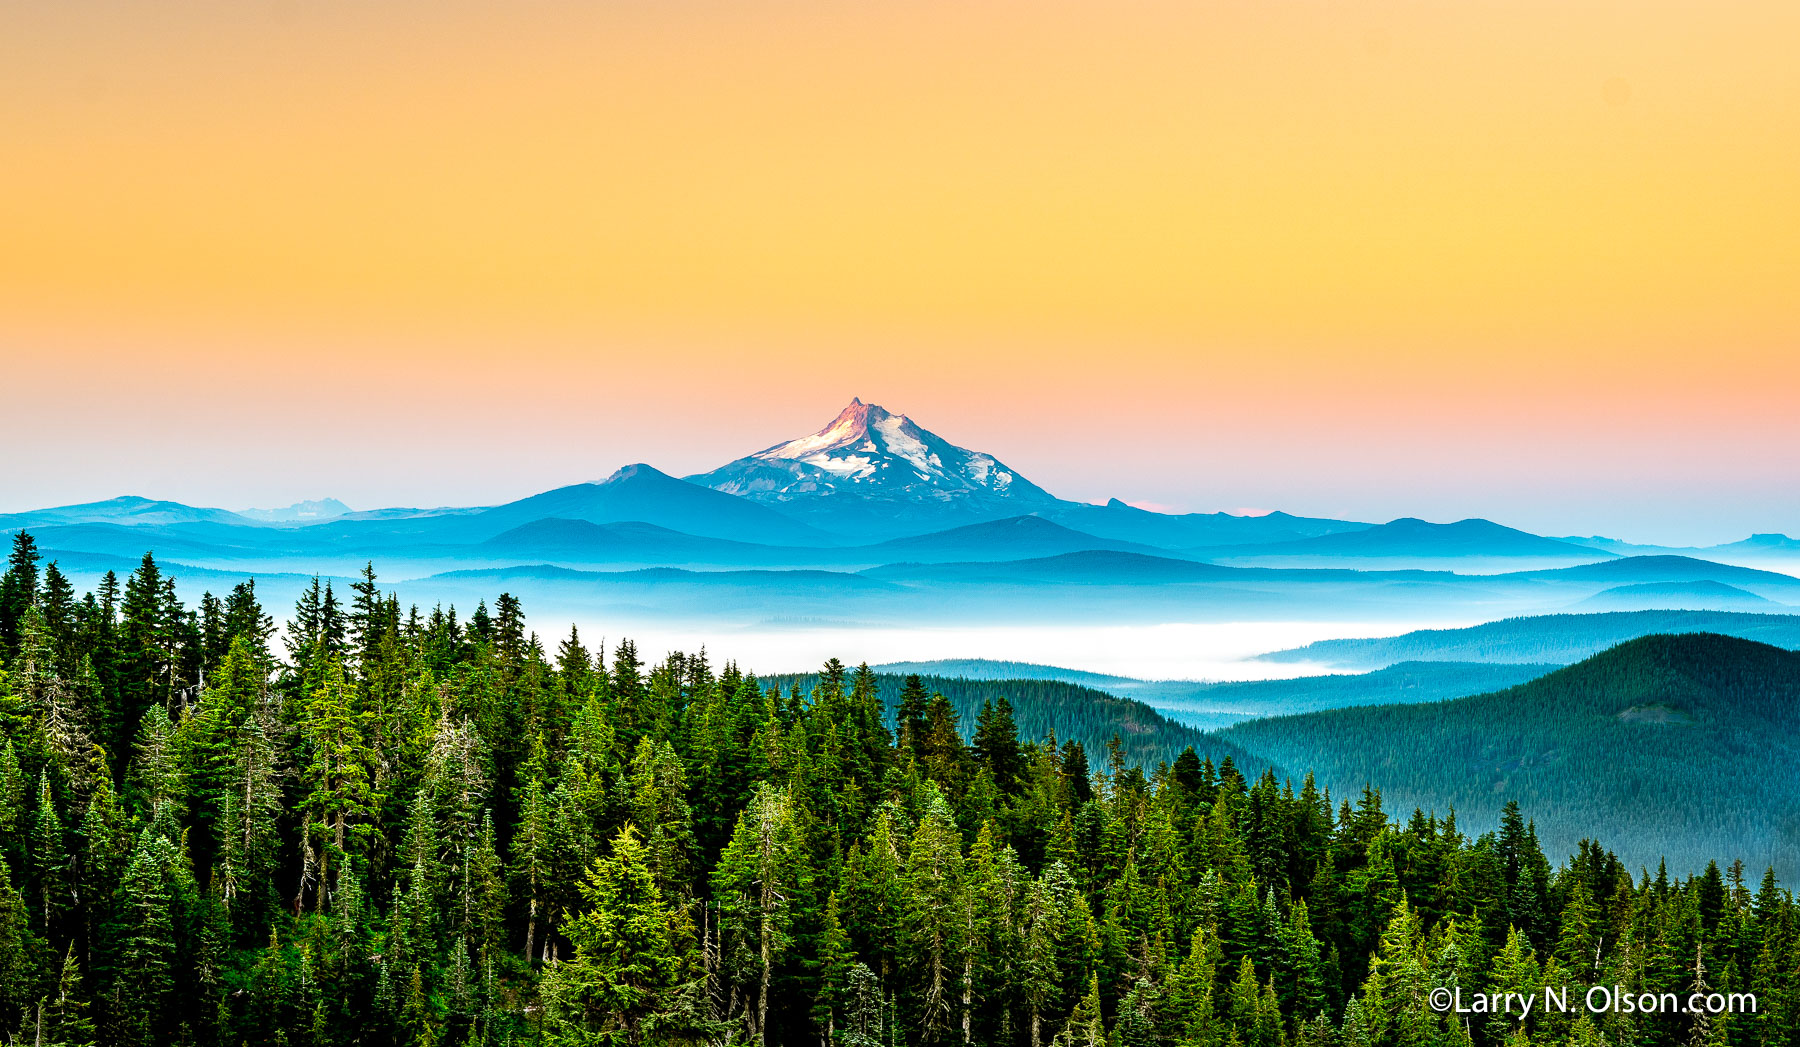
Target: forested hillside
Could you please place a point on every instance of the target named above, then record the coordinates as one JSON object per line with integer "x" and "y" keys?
{"x": 1221, "y": 704}
{"x": 1677, "y": 746}
{"x": 396, "y": 826}
{"x": 1036, "y": 708}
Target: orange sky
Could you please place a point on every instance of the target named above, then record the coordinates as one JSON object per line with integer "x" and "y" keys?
{"x": 1531, "y": 260}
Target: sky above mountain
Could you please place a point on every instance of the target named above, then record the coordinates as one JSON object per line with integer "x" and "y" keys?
{"x": 1527, "y": 261}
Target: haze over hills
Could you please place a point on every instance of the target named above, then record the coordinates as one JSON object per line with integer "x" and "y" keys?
{"x": 869, "y": 476}
{"x": 875, "y": 521}
{"x": 1681, "y": 746}
{"x": 1556, "y": 638}
{"x": 1128, "y": 523}
{"x": 631, "y": 541}
{"x": 1665, "y": 568}
{"x": 1756, "y": 544}
{"x": 1414, "y": 539}
{"x": 1017, "y": 537}
{"x": 644, "y": 494}
{"x": 311, "y": 510}
{"x": 1705, "y": 595}
{"x": 126, "y": 509}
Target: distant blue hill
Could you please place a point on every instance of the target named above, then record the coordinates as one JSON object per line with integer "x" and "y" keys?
{"x": 1014, "y": 538}
{"x": 1414, "y": 538}
{"x": 1763, "y": 543}
{"x": 643, "y": 494}
{"x": 1630, "y": 569}
{"x": 1092, "y": 567}
{"x": 670, "y": 581}
{"x": 987, "y": 669}
{"x": 642, "y": 543}
{"x": 127, "y": 509}
{"x": 300, "y": 512}
{"x": 1127, "y": 523}
{"x": 182, "y": 541}
{"x": 1704, "y": 595}
{"x": 630, "y": 541}
{"x": 1557, "y": 638}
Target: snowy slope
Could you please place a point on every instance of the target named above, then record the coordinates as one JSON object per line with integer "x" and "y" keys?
{"x": 873, "y": 471}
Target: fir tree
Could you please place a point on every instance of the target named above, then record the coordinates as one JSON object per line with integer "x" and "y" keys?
{"x": 635, "y": 976}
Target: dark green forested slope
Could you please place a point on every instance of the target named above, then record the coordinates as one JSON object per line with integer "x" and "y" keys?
{"x": 396, "y": 827}
{"x": 1038, "y": 708}
{"x": 1670, "y": 745}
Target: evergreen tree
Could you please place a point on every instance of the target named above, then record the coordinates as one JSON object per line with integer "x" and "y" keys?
{"x": 760, "y": 879}
{"x": 635, "y": 975}
{"x": 62, "y": 1020}
{"x": 49, "y": 862}
{"x": 933, "y": 929}
{"x": 836, "y": 961}
{"x": 19, "y": 955}
{"x": 997, "y": 744}
{"x": 337, "y": 802}
{"x": 18, "y": 590}
{"x": 142, "y": 997}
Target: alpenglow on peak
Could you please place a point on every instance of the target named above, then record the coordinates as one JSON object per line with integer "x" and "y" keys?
{"x": 870, "y": 454}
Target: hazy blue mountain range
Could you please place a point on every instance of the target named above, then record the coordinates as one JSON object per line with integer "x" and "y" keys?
{"x": 915, "y": 529}
{"x": 1011, "y": 538}
{"x": 1705, "y": 595}
{"x": 299, "y": 512}
{"x": 126, "y": 509}
{"x": 1080, "y": 588}
{"x": 1755, "y": 546}
{"x": 1128, "y": 523}
{"x": 1670, "y": 568}
{"x": 1414, "y": 539}
{"x": 639, "y": 493}
{"x": 990, "y": 669}
{"x": 1557, "y": 638}
{"x": 868, "y": 477}
{"x": 1664, "y": 745}
{"x": 578, "y": 541}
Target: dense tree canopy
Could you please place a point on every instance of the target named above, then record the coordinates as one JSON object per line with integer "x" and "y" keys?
{"x": 405, "y": 827}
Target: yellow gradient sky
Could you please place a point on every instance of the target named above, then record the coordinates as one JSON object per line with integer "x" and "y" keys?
{"x": 1537, "y": 261}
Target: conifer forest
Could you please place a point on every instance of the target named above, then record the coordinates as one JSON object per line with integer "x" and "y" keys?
{"x": 390, "y": 825}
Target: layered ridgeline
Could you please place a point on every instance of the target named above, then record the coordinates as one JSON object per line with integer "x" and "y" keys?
{"x": 868, "y": 476}
{"x": 400, "y": 828}
{"x": 1677, "y": 746}
{"x": 1555, "y": 638}
{"x": 875, "y": 520}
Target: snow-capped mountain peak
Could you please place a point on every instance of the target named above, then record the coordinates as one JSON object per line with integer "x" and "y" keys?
{"x": 870, "y": 453}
